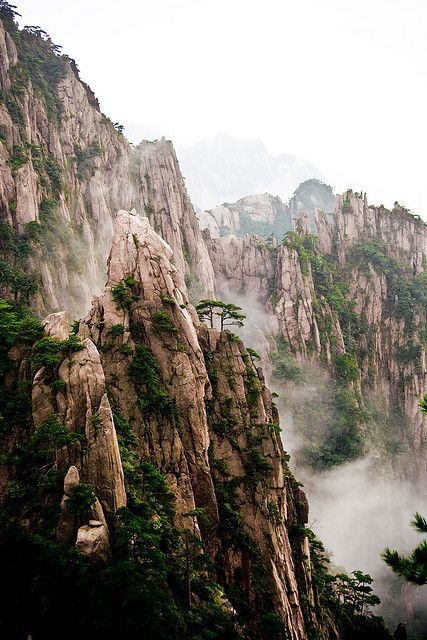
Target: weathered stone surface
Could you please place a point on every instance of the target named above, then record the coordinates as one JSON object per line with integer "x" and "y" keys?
{"x": 263, "y": 214}
{"x": 71, "y": 480}
{"x": 243, "y": 265}
{"x": 83, "y": 404}
{"x": 243, "y": 268}
{"x": 27, "y": 204}
{"x": 240, "y": 415}
{"x": 355, "y": 220}
{"x": 179, "y": 445}
{"x": 67, "y": 523}
{"x": 93, "y": 541}
{"x": 57, "y": 325}
{"x": 171, "y": 213}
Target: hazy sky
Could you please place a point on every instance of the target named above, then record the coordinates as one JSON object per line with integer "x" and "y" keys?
{"x": 339, "y": 83}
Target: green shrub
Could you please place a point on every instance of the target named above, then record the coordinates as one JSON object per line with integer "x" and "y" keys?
{"x": 49, "y": 352}
{"x": 116, "y": 330}
{"x": 58, "y": 385}
{"x": 346, "y": 206}
{"x": 50, "y": 436}
{"x": 80, "y": 500}
{"x": 152, "y": 394}
{"x": 126, "y": 349}
{"x": 85, "y": 157}
{"x": 257, "y": 467}
{"x": 346, "y": 367}
{"x": 252, "y": 387}
{"x": 163, "y": 323}
{"x": 285, "y": 366}
{"x": 17, "y": 159}
{"x": 125, "y": 292}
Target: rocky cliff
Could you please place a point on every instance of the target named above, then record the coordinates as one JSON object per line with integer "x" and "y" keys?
{"x": 143, "y": 480}
{"x": 65, "y": 171}
{"x": 143, "y": 381}
{"x": 353, "y": 299}
{"x": 266, "y": 215}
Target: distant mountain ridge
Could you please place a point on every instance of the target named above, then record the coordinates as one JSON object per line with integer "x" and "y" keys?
{"x": 267, "y": 215}
{"x": 227, "y": 169}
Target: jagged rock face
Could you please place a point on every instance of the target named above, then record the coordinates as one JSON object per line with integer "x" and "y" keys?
{"x": 178, "y": 443}
{"x": 354, "y": 220}
{"x": 310, "y": 325}
{"x": 312, "y": 196}
{"x": 244, "y": 264}
{"x": 247, "y": 454}
{"x": 69, "y": 177}
{"x": 400, "y": 380}
{"x": 295, "y": 302}
{"x": 267, "y": 215}
{"x": 82, "y": 406}
{"x": 171, "y": 213}
{"x": 262, "y": 214}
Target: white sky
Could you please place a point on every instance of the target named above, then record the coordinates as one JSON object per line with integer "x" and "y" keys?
{"x": 340, "y": 83}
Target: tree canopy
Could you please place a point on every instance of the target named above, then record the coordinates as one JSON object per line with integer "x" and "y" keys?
{"x": 228, "y": 313}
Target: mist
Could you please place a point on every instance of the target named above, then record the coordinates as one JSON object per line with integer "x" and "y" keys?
{"x": 356, "y": 509}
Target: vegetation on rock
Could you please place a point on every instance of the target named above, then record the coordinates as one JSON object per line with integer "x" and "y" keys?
{"x": 229, "y": 314}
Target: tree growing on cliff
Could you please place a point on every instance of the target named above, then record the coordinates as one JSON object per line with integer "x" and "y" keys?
{"x": 413, "y": 567}
{"x": 8, "y": 14}
{"x": 423, "y": 403}
{"x": 228, "y": 313}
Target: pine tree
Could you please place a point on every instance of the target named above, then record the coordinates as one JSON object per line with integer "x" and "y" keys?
{"x": 413, "y": 567}
{"x": 228, "y": 313}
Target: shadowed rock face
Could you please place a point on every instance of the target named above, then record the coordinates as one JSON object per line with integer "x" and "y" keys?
{"x": 83, "y": 406}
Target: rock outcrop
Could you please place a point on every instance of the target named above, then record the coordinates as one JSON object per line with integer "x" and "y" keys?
{"x": 262, "y": 214}
{"x": 81, "y": 404}
{"x": 158, "y": 314}
{"x": 242, "y": 265}
{"x": 156, "y": 358}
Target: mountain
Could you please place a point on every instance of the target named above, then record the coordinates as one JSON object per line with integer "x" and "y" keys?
{"x": 144, "y": 481}
{"x": 351, "y": 299}
{"x": 266, "y": 215}
{"x": 226, "y": 169}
